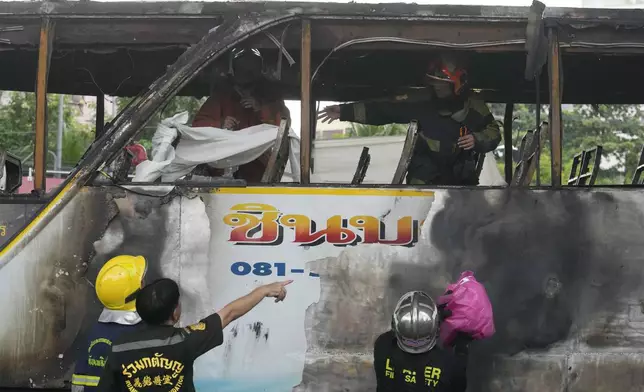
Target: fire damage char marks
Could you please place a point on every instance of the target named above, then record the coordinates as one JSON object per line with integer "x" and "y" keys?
{"x": 258, "y": 328}
{"x": 140, "y": 222}
{"x": 549, "y": 260}
{"x": 51, "y": 323}
{"x": 552, "y": 263}
{"x": 337, "y": 371}
{"x": 351, "y": 311}
{"x": 143, "y": 221}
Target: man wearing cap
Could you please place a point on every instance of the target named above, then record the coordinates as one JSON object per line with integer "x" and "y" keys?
{"x": 117, "y": 284}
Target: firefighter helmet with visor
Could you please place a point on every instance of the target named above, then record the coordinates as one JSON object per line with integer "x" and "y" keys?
{"x": 445, "y": 69}
{"x": 415, "y": 322}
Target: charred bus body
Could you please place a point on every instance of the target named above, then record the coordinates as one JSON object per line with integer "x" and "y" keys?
{"x": 562, "y": 264}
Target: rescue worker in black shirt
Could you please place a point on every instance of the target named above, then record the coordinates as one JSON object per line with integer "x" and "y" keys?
{"x": 159, "y": 356}
{"x": 407, "y": 359}
{"x": 117, "y": 285}
{"x": 454, "y": 126}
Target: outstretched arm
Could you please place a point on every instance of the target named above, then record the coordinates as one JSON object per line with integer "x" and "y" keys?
{"x": 243, "y": 305}
{"x": 208, "y": 333}
{"x": 374, "y": 113}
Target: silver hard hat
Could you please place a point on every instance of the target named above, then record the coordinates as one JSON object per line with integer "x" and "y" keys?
{"x": 415, "y": 322}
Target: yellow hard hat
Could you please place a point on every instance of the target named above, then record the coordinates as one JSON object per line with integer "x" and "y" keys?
{"x": 119, "y": 280}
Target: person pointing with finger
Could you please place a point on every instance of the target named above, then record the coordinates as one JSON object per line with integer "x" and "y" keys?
{"x": 160, "y": 356}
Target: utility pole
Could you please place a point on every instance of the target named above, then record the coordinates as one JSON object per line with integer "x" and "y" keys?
{"x": 59, "y": 138}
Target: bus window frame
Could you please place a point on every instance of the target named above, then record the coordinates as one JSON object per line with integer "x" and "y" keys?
{"x": 554, "y": 70}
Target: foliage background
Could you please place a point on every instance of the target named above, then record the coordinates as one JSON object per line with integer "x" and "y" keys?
{"x": 618, "y": 128}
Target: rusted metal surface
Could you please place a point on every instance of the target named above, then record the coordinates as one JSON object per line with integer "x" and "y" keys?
{"x": 330, "y": 33}
{"x": 209, "y": 9}
{"x": 581, "y": 172}
{"x": 40, "y": 142}
{"x": 406, "y": 154}
{"x": 362, "y": 167}
{"x": 279, "y": 156}
{"x": 306, "y": 99}
{"x": 535, "y": 45}
{"x": 528, "y": 156}
{"x": 140, "y": 41}
{"x": 556, "y": 123}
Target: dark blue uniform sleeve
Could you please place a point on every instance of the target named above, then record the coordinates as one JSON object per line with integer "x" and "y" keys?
{"x": 205, "y": 335}
{"x": 109, "y": 378}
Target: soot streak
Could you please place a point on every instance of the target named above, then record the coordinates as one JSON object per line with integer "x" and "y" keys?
{"x": 549, "y": 261}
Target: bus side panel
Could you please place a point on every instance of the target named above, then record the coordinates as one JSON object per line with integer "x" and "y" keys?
{"x": 562, "y": 268}
{"x": 44, "y": 293}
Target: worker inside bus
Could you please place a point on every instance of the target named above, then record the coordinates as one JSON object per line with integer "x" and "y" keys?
{"x": 454, "y": 125}
{"x": 244, "y": 99}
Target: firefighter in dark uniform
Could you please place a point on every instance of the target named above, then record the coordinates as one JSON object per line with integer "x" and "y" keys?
{"x": 117, "y": 284}
{"x": 407, "y": 359}
{"x": 453, "y": 125}
{"x": 159, "y": 356}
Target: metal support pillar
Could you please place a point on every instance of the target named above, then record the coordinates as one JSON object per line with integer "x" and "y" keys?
{"x": 507, "y": 141}
{"x": 44, "y": 59}
{"x": 59, "y": 134}
{"x": 537, "y": 81}
{"x": 100, "y": 115}
{"x": 305, "y": 100}
{"x": 556, "y": 126}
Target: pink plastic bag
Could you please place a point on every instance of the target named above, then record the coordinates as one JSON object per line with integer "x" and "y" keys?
{"x": 471, "y": 310}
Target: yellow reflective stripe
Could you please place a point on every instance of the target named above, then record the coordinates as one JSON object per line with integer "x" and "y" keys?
{"x": 85, "y": 380}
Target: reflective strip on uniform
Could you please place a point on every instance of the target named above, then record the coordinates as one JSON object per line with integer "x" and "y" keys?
{"x": 78, "y": 388}
{"x": 85, "y": 380}
{"x": 147, "y": 344}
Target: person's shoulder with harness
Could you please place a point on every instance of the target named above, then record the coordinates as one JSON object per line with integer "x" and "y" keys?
{"x": 479, "y": 120}
{"x": 117, "y": 284}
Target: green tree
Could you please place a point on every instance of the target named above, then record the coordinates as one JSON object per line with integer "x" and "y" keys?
{"x": 617, "y": 128}
{"x": 17, "y": 128}
{"x": 175, "y": 106}
{"x": 362, "y": 130}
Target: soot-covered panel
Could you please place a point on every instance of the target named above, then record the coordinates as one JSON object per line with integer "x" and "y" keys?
{"x": 563, "y": 270}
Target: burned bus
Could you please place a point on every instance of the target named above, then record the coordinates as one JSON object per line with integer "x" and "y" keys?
{"x": 561, "y": 261}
